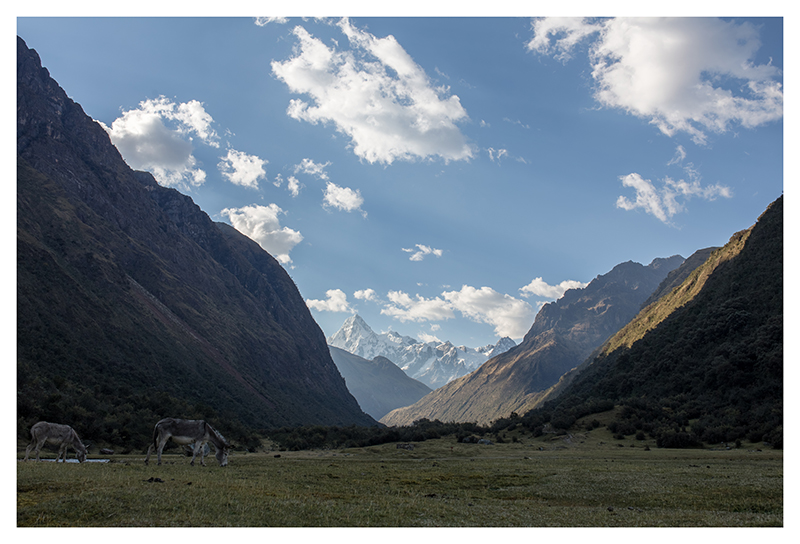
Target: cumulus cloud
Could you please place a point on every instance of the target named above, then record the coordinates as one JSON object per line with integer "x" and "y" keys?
{"x": 158, "y": 136}
{"x": 343, "y": 198}
{"x": 336, "y": 301}
{"x": 422, "y": 251}
{"x": 509, "y": 316}
{"x": 686, "y": 74}
{"x": 294, "y": 186}
{"x": 566, "y": 31}
{"x": 376, "y": 95}
{"x": 262, "y": 225}
{"x": 366, "y": 294}
{"x": 242, "y": 169}
{"x": 662, "y": 202}
{"x": 540, "y": 288}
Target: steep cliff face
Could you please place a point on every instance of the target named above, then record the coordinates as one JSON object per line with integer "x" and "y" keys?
{"x": 133, "y": 304}
{"x": 563, "y": 334}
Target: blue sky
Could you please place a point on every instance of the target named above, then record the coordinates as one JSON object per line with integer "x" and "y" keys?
{"x": 442, "y": 177}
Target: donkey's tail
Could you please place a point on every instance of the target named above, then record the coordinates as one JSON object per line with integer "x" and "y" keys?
{"x": 155, "y": 436}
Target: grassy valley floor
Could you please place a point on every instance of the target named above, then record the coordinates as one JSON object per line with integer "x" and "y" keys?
{"x": 579, "y": 480}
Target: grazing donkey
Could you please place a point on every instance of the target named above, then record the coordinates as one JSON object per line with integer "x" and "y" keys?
{"x": 188, "y": 431}
{"x": 62, "y": 435}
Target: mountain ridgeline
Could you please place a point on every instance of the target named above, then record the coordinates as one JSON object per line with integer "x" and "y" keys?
{"x": 702, "y": 364}
{"x": 563, "y": 335}
{"x": 133, "y": 305}
{"x": 378, "y": 385}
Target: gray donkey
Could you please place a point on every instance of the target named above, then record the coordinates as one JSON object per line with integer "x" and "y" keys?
{"x": 188, "y": 431}
{"x": 63, "y": 436}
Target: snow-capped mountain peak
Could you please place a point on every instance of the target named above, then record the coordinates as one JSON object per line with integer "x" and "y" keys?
{"x": 433, "y": 363}
{"x": 359, "y": 339}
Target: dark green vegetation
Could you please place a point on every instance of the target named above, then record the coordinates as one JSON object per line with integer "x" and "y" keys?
{"x": 133, "y": 305}
{"x": 582, "y": 479}
{"x": 563, "y": 335}
{"x": 705, "y": 362}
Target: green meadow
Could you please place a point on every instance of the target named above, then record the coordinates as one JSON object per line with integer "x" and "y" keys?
{"x": 576, "y": 480}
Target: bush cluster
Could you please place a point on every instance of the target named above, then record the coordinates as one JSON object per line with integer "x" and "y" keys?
{"x": 335, "y": 437}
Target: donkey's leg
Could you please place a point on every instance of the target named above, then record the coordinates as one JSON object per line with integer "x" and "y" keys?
{"x": 39, "y": 444}
{"x": 62, "y": 452}
{"x": 202, "y": 453}
{"x": 194, "y": 453}
{"x": 162, "y": 441}
{"x": 29, "y": 448}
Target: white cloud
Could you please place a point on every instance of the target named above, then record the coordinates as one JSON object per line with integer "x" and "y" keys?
{"x": 157, "y": 136}
{"x": 242, "y": 169}
{"x": 343, "y": 198}
{"x": 262, "y": 225}
{"x": 263, "y": 21}
{"x": 686, "y": 74}
{"x": 401, "y": 306}
{"x": 510, "y": 316}
{"x": 366, "y": 294}
{"x": 294, "y": 186}
{"x": 424, "y": 337}
{"x": 376, "y": 94}
{"x": 308, "y": 166}
{"x": 336, "y": 301}
{"x": 192, "y": 118}
{"x": 497, "y": 154}
{"x": 569, "y": 31}
{"x": 663, "y": 203}
{"x": 422, "y": 251}
{"x": 680, "y": 155}
{"x": 540, "y": 288}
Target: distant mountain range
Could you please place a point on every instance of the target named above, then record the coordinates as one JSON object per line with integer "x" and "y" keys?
{"x": 378, "y": 385}
{"x": 432, "y": 363}
{"x": 133, "y": 305}
{"x": 563, "y": 335}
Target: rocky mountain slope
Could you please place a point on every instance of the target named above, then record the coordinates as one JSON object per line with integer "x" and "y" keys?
{"x": 133, "y": 305}
{"x": 378, "y": 385}
{"x": 432, "y": 363}
{"x": 679, "y": 275}
{"x": 705, "y": 361}
{"x": 563, "y": 335}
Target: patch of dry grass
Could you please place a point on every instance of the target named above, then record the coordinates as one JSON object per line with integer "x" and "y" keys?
{"x": 576, "y": 480}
